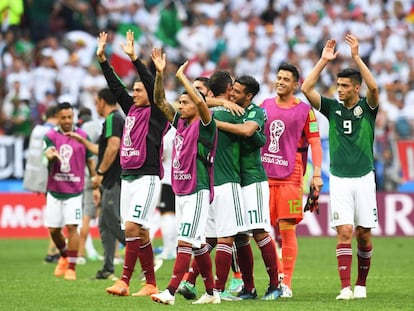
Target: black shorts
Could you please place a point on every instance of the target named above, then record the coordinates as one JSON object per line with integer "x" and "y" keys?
{"x": 167, "y": 200}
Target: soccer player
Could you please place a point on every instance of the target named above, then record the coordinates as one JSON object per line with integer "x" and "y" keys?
{"x": 255, "y": 190}
{"x": 290, "y": 127}
{"x": 226, "y": 217}
{"x": 352, "y": 181}
{"x": 66, "y": 159}
{"x": 107, "y": 182}
{"x": 187, "y": 287}
{"x": 140, "y": 156}
{"x": 192, "y": 174}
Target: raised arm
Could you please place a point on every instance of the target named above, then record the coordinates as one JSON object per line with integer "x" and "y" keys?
{"x": 114, "y": 82}
{"x": 372, "y": 92}
{"x": 100, "y": 50}
{"x": 308, "y": 86}
{"x": 194, "y": 94}
{"x": 146, "y": 76}
{"x": 159, "y": 60}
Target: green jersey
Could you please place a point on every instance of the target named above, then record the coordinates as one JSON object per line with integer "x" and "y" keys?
{"x": 351, "y": 137}
{"x": 207, "y": 135}
{"x": 195, "y": 143}
{"x": 251, "y": 167}
{"x": 227, "y": 160}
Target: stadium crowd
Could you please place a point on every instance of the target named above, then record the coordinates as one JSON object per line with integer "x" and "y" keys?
{"x": 47, "y": 52}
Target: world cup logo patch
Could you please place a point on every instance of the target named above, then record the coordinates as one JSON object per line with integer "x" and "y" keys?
{"x": 277, "y": 127}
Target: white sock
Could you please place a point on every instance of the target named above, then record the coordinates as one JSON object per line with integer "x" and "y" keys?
{"x": 89, "y": 247}
{"x": 169, "y": 233}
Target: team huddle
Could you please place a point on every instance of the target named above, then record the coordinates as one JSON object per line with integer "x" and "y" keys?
{"x": 237, "y": 170}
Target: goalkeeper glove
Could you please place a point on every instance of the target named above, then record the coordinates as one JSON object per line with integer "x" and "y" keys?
{"x": 312, "y": 203}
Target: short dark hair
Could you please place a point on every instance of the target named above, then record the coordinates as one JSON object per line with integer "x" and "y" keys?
{"x": 63, "y": 105}
{"x": 291, "y": 68}
{"x": 50, "y": 112}
{"x": 352, "y": 74}
{"x": 199, "y": 93}
{"x": 219, "y": 81}
{"x": 107, "y": 95}
{"x": 250, "y": 83}
{"x": 204, "y": 80}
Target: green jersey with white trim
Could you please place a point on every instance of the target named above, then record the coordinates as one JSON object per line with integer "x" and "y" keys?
{"x": 226, "y": 162}
{"x": 252, "y": 170}
{"x": 351, "y": 137}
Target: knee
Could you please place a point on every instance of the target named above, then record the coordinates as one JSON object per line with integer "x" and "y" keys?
{"x": 363, "y": 236}
{"x": 344, "y": 234}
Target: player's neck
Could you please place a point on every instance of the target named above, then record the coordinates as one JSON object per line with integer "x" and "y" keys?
{"x": 352, "y": 102}
{"x": 285, "y": 100}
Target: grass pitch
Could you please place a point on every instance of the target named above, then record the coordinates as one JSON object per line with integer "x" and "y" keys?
{"x": 28, "y": 284}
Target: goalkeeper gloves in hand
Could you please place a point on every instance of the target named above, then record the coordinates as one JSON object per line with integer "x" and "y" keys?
{"x": 312, "y": 203}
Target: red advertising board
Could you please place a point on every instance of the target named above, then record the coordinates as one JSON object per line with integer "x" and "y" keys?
{"x": 21, "y": 216}
{"x": 406, "y": 155}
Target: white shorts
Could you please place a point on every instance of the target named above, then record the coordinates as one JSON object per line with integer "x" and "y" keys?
{"x": 59, "y": 213}
{"x": 353, "y": 201}
{"x": 191, "y": 213}
{"x": 139, "y": 198}
{"x": 226, "y": 213}
{"x": 256, "y": 206}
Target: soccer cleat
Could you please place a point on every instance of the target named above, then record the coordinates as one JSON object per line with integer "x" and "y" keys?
{"x": 208, "y": 299}
{"x": 147, "y": 290}
{"x": 188, "y": 290}
{"x": 120, "y": 288}
{"x": 360, "y": 291}
{"x": 245, "y": 295}
{"x": 61, "y": 266}
{"x": 345, "y": 294}
{"x": 164, "y": 297}
{"x": 286, "y": 291}
{"x": 105, "y": 275}
{"x": 70, "y": 275}
{"x": 236, "y": 285}
{"x": 272, "y": 293}
{"x": 225, "y": 295}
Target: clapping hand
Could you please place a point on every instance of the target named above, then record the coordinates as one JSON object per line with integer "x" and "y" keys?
{"x": 180, "y": 72}
{"x": 128, "y": 47}
{"x": 100, "y": 51}
{"x": 159, "y": 59}
{"x": 353, "y": 44}
{"x": 328, "y": 51}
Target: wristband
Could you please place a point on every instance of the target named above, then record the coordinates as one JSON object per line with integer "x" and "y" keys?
{"x": 98, "y": 172}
